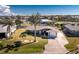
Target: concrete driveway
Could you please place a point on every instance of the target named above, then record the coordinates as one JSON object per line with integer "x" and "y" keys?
{"x": 56, "y": 45}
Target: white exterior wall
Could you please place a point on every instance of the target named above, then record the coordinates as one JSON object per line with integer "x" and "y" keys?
{"x": 13, "y": 28}
{"x": 7, "y": 34}
{"x": 3, "y": 29}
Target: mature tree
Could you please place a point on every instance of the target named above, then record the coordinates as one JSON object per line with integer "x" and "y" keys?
{"x": 18, "y": 21}
{"x": 52, "y": 20}
{"x": 8, "y": 23}
{"x": 18, "y": 17}
{"x": 35, "y": 19}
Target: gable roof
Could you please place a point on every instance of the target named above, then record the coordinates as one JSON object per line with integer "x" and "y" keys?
{"x": 72, "y": 27}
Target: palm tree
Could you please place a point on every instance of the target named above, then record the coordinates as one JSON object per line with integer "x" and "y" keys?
{"x": 8, "y": 23}
{"x": 35, "y": 19}
{"x": 18, "y": 22}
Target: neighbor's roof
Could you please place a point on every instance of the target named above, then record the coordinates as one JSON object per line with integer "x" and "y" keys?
{"x": 45, "y": 20}
{"x": 72, "y": 27}
{"x": 3, "y": 28}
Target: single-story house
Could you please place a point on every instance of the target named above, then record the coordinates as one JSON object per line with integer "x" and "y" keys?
{"x": 45, "y": 21}
{"x": 3, "y": 31}
{"x": 44, "y": 31}
{"x": 71, "y": 30}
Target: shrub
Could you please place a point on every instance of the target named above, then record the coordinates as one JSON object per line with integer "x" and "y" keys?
{"x": 9, "y": 47}
{"x": 16, "y": 49}
{"x": 1, "y": 46}
{"x": 29, "y": 32}
{"x": 23, "y": 35}
{"x": 18, "y": 43}
{"x": 44, "y": 37}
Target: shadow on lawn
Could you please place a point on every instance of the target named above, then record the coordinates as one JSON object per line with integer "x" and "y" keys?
{"x": 15, "y": 46}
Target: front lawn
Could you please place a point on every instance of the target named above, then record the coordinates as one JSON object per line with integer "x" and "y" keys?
{"x": 32, "y": 48}
{"x": 73, "y": 42}
{"x": 35, "y": 47}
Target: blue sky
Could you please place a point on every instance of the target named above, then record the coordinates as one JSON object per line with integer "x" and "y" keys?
{"x": 46, "y": 9}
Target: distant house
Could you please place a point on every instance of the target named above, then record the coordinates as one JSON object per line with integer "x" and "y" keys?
{"x": 45, "y": 21}
{"x": 3, "y": 31}
{"x": 71, "y": 29}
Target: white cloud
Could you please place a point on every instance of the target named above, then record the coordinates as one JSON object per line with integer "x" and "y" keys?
{"x": 5, "y": 10}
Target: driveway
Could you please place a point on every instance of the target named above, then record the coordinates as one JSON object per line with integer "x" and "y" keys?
{"x": 56, "y": 45}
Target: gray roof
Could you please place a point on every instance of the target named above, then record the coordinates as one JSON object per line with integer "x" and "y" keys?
{"x": 51, "y": 29}
{"x": 45, "y": 20}
{"x": 39, "y": 27}
{"x": 72, "y": 27}
{"x": 3, "y": 28}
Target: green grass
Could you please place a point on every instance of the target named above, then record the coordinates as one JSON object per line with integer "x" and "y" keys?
{"x": 36, "y": 47}
{"x": 65, "y": 22}
{"x": 73, "y": 42}
{"x": 32, "y": 48}
{"x": 25, "y": 24}
{"x": 6, "y": 42}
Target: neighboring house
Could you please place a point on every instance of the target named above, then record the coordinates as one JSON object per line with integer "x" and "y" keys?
{"x": 3, "y": 31}
{"x": 44, "y": 31}
{"x": 71, "y": 29}
{"x": 45, "y": 21}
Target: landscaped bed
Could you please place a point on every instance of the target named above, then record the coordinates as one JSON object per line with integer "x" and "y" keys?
{"x": 73, "y": 42}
